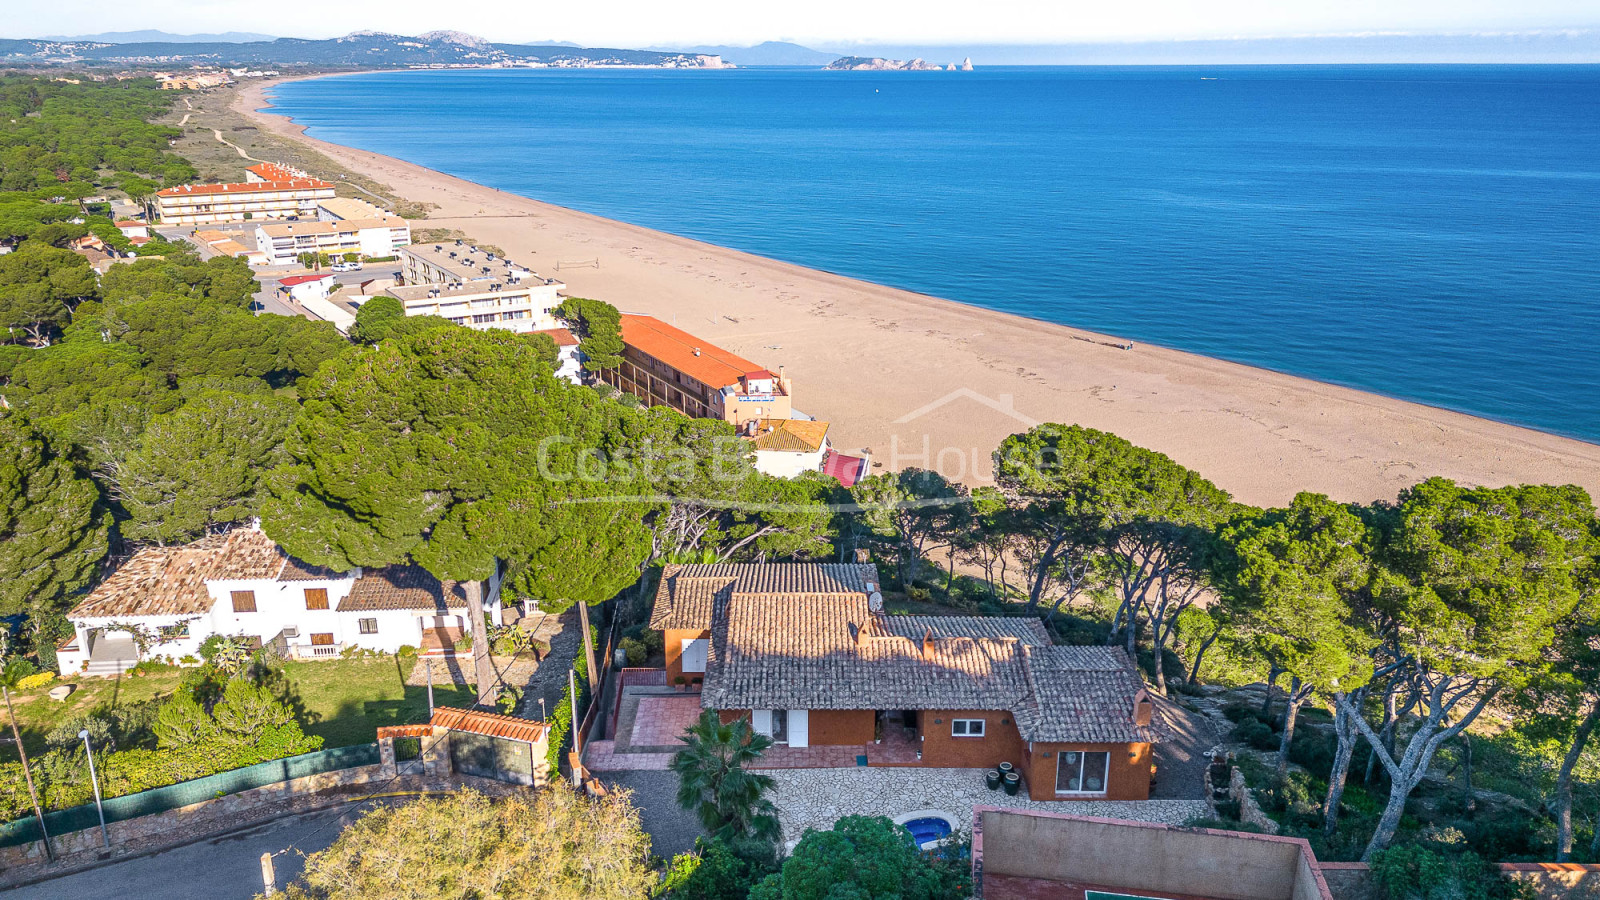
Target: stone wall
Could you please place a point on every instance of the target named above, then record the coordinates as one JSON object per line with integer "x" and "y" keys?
{"x": 1250, "y": 812}
{"x": 135, "y": 833}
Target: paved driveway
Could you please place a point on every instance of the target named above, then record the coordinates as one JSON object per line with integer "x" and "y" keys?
{"x": 217, "y": 868}
{"x": 672, "y": 828}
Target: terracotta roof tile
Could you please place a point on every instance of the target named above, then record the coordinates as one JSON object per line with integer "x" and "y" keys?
{"x": 790, "y": 435}
{"x": 803, "y": 636}
{"x": 490, "y": 724}
{"x": 252, "y": 187}
{"x": 714, "y": 366}
{"x": 172, "y": 580}
{"x": 403, "y": 587}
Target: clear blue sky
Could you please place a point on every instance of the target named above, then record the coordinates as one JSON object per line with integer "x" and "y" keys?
{"x": 833, "y": 22}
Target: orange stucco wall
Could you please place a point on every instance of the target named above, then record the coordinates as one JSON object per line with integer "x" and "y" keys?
{"x": 672, "y": 643}
{"x": 940, "y": 748}
{"x": 1127, "y": 778}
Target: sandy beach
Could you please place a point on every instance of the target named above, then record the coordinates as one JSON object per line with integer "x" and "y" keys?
{"x": 920, "y": 381}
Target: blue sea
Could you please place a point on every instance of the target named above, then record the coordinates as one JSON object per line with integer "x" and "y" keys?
{"x": 1429, "y": 232}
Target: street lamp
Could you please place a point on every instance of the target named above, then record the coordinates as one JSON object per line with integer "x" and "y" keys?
{"x": 94, "y": 780}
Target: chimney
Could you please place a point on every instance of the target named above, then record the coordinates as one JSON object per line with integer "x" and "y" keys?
{"x": 1143, "y": 709}
{"x": 697, "y": 351}
{"x": 927, "y": 642}
{"x": 863, "y": 557}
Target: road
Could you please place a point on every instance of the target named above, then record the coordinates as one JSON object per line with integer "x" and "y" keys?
{"x": 218, "y": 868}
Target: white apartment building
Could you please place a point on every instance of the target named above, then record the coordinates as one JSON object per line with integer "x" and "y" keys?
{"x": 282, "y": 242}
{"x": 475, "y": 288}
{"x": 242, "y": 584}
{"x": 207, "y": 204}
{"x": 341, "y": 208}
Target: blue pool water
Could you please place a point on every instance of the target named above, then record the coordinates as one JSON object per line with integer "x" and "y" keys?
{"x": 929, "y": 829}
{"x": 1425, "y": 232}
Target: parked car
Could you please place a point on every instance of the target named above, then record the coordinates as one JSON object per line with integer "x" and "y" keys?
{"x": 347, "y": 267}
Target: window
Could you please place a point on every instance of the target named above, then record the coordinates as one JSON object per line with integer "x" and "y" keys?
{"x": 174, "y": 632}
{"x": 966, "y": 727}
{"x": 483, "y": 318}
{"x": 316, "y": 598}
{"x": 694, "y": 654}
{"x": 369, "y": 626}
{"x": 244, "y": 601}
{"x": 322, "y": 640}
{"x": 1079, "y": 772}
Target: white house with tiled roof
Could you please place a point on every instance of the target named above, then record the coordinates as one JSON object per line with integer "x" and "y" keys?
{"x": 242, "y": 584}
{"x": 807, "y": 652}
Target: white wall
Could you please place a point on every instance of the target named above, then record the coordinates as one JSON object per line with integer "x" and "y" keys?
{"x": 785, "y": 464}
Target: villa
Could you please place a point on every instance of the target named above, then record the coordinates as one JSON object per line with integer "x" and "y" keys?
{"x": 807, "y": 653}
{"x": 242, "y": 584}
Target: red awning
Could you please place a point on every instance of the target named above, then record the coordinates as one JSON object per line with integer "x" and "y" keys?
{"x": 847, "y": 470}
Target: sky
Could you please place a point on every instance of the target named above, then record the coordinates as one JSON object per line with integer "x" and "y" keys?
{"x": 638, "y": 23}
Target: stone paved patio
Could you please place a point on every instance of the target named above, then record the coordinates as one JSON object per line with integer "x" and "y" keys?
{"x": 816, "y": 798}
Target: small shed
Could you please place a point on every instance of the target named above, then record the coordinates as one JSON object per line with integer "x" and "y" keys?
{"x": 489, "y": 745}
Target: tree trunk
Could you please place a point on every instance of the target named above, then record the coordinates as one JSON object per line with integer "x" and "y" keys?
{"x": 1564, "y": 783}
{"x": 1200, "y": 655}
{"x": 27, "y": 774}
{"x": 1469, "y": 801}
{"x": 1272, "y": 683}
{"x": 1345, "y": 734}
{"x": 1298, "y": 694}
{"x": 481, "y": 666}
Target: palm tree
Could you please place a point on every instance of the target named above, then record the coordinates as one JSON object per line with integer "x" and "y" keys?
{"x": 712, "y": 781}
{"x": 12, "y": 672}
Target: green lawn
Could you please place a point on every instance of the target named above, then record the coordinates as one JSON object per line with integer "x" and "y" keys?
{"x": 345, "y": 701}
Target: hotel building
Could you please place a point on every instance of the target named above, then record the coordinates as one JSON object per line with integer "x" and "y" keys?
{"x": 475, "y": 288}
{"x": 207, "y": 204}
{"x": 664, "y": 366}
{"x": 282, "y": 242}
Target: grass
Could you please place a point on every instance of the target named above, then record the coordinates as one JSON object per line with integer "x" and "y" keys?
{"x": 344, "y": 701}
{"x": 216, "y": 161}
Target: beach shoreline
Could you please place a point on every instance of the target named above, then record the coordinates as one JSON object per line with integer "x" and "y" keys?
{"x": 920, "y": 380}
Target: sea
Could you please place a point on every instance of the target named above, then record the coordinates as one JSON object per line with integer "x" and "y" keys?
{"x": 1426, "y": 232}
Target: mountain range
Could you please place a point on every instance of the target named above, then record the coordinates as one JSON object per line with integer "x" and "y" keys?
{"x": 363, "y": 49}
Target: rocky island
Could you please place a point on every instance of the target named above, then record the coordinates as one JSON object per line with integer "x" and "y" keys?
{"x": 879, "y": 64}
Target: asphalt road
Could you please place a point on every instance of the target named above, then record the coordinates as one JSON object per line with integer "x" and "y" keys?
{"x": 217, "y": 868}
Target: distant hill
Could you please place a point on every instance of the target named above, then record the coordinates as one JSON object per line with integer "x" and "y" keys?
{"x": 770, "y": 53}
{"x": 361, "y": 49}
{"x": 162, "y": 37}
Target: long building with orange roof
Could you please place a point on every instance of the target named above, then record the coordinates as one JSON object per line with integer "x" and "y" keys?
{"x": 665, "y": 366}
{"x": 206, "y": 204}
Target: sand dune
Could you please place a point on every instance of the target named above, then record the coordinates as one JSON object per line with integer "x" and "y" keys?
{"x": 921, "y": 381}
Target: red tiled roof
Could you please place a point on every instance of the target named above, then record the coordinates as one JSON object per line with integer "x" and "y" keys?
{"x": 714, "y": 366}
{"x": 274, "y": 172}
{"x": 561, "y": 336}
{"x": 129, "y": 223}
{"x": 297, "y": 184}
{"x": 490, "y": 724}
{"x": 400, "y": 731}
{"x": 846, "y": 469}
{"x": 293, "y": 280}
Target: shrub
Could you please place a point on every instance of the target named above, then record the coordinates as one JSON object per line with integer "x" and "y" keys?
{"x": 1416, "y": 872}
{"x": 1256, "y": 734}
{"x": 636, "y": 652}
{"x": 1232, "y": 824}
{"x": 37, "y": 679}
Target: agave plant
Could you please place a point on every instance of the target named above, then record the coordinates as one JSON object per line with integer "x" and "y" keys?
{"x": 712, "y": 782}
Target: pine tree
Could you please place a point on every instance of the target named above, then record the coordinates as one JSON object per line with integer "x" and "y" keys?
{"x": 53, "y": 522}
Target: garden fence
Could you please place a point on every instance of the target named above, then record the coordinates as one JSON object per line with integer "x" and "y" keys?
{"x": 184, "y": 793}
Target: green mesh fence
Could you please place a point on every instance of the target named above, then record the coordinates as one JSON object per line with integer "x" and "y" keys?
{"x": 173, "y": 796}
